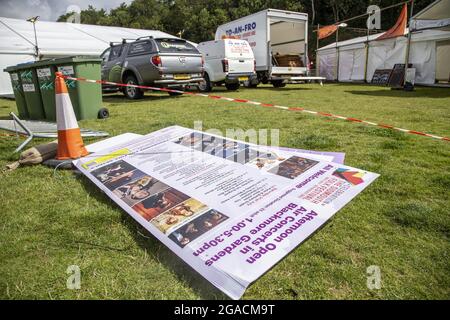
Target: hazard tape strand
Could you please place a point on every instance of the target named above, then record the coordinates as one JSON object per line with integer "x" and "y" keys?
{"x": 268, "y": 105}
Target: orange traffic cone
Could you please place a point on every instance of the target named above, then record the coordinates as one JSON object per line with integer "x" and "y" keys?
{"x": 70, "y": 143}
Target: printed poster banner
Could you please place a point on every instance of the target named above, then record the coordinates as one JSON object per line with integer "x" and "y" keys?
{"x": 229, "y": 209}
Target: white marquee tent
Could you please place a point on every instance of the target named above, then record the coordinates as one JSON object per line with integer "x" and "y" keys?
{"x": 56, "y": 39}
{"x": 436, "y": 15}
{"x": 358, "y": 58}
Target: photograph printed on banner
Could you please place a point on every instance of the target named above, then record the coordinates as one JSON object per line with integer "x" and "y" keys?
{"x": 158, "y": 203}
{"x": 178, "y": 214}
{"x": 293, "y": 167}
{"x": 232, "y": 148}
{"x": 124, "y": 178}
{"x": 140, "y": 189}
{"x": 202, "y": 142}
{"x": 193, "y": 140}
{"x": 116, "y": 174}
{"x": 195, "y": 228}
{"x": 211, "y": 145}
{"x": 244, "y": 156}
{"x": 215, "y": 146}
{"x": 264, "y": 160}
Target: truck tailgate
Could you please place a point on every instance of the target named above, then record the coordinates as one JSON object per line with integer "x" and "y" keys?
{"x": 241, "y": 65}
{"x": 181, "y": 63}
{"x": 288, "y": 70}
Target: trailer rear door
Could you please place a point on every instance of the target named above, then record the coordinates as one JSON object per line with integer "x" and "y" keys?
{"x": 288, "y": 47}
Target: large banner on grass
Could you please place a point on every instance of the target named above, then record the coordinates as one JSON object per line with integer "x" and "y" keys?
{"x": 229, "y": 209}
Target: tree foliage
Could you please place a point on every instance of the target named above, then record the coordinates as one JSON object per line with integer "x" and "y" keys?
{"x": 197, "y": 20}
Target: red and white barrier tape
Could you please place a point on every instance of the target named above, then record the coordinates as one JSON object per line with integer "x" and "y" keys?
{"x": 381, "y": 125}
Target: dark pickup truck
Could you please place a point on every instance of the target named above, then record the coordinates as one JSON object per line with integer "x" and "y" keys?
{"x": 158, "y": 62}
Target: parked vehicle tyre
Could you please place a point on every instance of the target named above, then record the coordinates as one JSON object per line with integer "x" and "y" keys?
{"x": 249, "y": 84}
{"x": 263, "y": 77}
{"x": 103, "y": 113}
{"x": 131, "y": 92}
{"x": 232, "y": 86}
{"x": 205, "y": 85}
{"x": 278, "y": 84}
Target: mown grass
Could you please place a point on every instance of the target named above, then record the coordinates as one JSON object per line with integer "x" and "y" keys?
{"x": 401, "y": 223}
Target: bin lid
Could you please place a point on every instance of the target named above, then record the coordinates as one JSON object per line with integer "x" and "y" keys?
{"x": 18, "y": 67}
{"x": 44, "y": 63}
{"x": 72, "y": 59}
{"x": 54, "y": 61}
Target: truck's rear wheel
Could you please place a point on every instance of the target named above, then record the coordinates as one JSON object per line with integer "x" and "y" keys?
{"x": 249, "y": 84}
{"x": 278, "y": 84}
{"x": 205, "y": 85}
{"x": 132, "y": 93}
{"x": 232, "y": 86}
{"x": 263, "y": 77}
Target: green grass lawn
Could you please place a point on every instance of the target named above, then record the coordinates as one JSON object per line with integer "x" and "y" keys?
{"x": 401, "y": 223}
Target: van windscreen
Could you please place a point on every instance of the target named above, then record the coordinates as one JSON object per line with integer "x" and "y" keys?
{"x": 174, "y": 46}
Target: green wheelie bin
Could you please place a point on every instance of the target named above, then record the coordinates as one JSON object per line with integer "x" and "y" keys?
{"x": 18, "y": 92}
{"x": 86, "y": 97}
{"x": 45, "y": 71}
{"x": 31, "y": 90}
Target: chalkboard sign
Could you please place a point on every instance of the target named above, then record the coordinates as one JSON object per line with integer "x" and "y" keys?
{"x": 398, "y": 75}
{"x": 381, "y": 76}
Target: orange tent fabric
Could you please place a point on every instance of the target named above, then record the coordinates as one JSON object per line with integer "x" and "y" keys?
{"x": 399, "y": 28}
{"x": 327, "y": 31}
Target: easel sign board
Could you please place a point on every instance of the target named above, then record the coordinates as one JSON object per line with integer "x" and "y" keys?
{"x": 381, "y": 76}
{"x": 398, "y": 75}
{"x": 229, "y": 209}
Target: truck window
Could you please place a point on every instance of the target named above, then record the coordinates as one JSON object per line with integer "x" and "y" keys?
{"x": 115, "y": 53}
{"x": 175, "y": 46}
{"x": 139, "y": 48}
{"x": 105, "y": 54}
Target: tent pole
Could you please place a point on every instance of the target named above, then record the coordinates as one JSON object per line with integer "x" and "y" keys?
{"x": 408, "y": 45}
{"x": 337, "y": 55}
{"x": 367, "y": 55}
{"x": 317, "y": 50}
{"x": 33, "y": 20}
{"x": 36, "y": 41}
{"x": 307, "y": 65}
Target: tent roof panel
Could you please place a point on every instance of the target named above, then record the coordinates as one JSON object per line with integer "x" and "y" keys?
{"x": 436, "y": 15}
{"x": 56, "y": 38}
{"x": 438, "y": 10}
{"x": 10, "y": 41}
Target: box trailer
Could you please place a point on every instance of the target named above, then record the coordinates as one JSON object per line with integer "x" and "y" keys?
{"x": 279, "y": 40}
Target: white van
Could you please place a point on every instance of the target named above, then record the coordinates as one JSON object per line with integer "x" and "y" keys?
{"x": 279, "y": 40}
{"x": 227, "y": 61}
